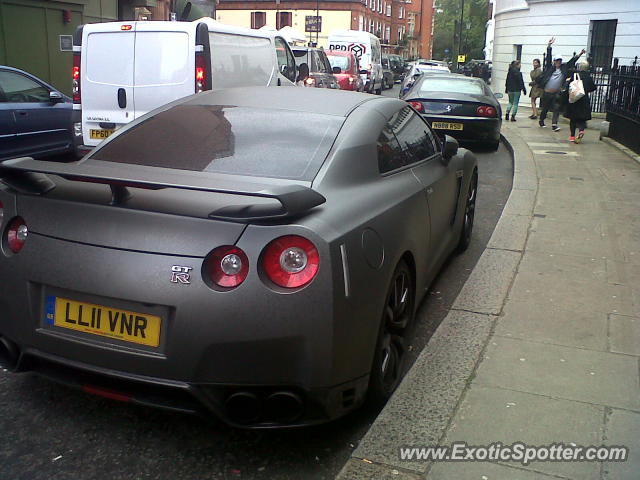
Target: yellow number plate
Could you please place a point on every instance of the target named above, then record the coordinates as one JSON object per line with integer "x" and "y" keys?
{"x": 447, "y": 126}
{"x": 134, "y": 327}
{"x": 99, "y": 134}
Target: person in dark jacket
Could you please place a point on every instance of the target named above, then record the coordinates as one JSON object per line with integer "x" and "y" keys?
{"x": 579, "y": 112}
{"x": 552, "y": 81}
{"x": 514, "y": 85}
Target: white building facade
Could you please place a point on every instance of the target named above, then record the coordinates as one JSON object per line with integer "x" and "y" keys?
{"x": 607, "y": 29}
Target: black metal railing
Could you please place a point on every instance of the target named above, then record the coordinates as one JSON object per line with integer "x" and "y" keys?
{"x": 623, "y": 95}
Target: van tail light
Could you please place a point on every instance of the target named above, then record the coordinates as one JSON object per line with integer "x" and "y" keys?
{"x": 417, "y": 105}
{"x": 75, "y": 76}
{"x": 290, "y": 261}
{"x": 487, "y": 111}
{"x": 17, "y": 234}
{"x": 201, "y": 73}
{"x": 226, "y": 267}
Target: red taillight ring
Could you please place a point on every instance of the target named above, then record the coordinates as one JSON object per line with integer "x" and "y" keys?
{"x": 226, "y": 267}
{"x": 291, "y": 261}
{"x": 417, "y": 105}
{"x": 17, "y": 233}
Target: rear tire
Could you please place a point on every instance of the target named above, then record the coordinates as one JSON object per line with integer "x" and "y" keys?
{"x": 379, "y": 90}
{"x": 469, "y": 214}
{"x": 393, "y": 336}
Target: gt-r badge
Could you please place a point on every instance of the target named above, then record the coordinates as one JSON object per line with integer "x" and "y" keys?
{"x": 180, "y": 274}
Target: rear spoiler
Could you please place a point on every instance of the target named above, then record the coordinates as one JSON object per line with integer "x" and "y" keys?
{"x": 29, "y": 176}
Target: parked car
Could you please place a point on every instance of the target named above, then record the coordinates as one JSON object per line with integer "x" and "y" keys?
{"x": 365, "y": 46}
{"x": 123, "y": 70}
{"x": 36, "y": 119}
{"x": 320, "y": 71}
{"x": 462, "y": 107}
{"x": 387, "y": 74}
{"x": 397, "y": 66}
{"x": 416, "y": 71}
{"x": 226, "y": 269}
{"x": 346, "y": 69}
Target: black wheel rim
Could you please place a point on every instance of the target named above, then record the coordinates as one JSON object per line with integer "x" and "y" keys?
{"x": 470, "y": 209}
{"x": 398, "y": 311}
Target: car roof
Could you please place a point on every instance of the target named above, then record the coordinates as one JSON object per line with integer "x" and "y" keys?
{"x": 306, "y": 100}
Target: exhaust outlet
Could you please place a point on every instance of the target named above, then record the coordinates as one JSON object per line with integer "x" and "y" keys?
{"x": 243, "y": 407}
{"x": 9, "y": 354}
{"x": 284, "y": 407}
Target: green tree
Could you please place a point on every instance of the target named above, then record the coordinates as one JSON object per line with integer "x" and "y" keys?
{"x": 445, "y": 32}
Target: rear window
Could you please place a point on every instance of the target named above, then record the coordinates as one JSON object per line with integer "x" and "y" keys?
{"x": 440, "y": 84}
{"x": 161, "y": 58}
{"x": 109, "y": 57}
{"x": 229, "y": 140}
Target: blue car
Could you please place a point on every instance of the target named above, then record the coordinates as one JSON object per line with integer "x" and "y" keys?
{"x": 36, "y": 120}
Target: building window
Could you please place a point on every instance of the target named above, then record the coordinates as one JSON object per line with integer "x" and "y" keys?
{"x": 283, "y": 19}
{"x": 387, "y": 34}
{"x": 388, "y": 9}
{"x": 517, "y": 52}
{"x": 360, "y": 22}
{"x": 258, "y": 19}
{"x": 602, "y": 38}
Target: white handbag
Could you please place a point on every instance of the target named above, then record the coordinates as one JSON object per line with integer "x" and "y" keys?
{"x": 576, "y": 89}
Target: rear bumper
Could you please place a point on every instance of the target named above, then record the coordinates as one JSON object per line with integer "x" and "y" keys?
{"x": 480, "y": 130}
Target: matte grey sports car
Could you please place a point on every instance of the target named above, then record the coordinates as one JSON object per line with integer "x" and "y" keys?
{"x": 254, "y": 253}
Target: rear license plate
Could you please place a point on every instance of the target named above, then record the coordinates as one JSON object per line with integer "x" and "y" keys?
{"x": 447, "y": 126}
{"x": 133, "y": 327}
{"x": 96, "y": 134}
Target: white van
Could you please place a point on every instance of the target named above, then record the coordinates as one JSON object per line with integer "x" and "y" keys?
{"x": 122, "y": 70}
{"x": 365, "y": 46}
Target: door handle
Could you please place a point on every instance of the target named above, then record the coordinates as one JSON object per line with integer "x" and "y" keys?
{"x": 122, "y": 98}
{"x": 279, "y": 83}
{"x": 23, "y": 113}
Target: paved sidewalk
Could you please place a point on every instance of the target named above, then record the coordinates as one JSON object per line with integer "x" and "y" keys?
{"x": 549, "y": 323}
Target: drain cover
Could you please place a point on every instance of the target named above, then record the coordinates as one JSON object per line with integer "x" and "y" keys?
{"x": 576, "y": 178}
{"x": 539, "y": 215}
{"x": 557, "y": 153}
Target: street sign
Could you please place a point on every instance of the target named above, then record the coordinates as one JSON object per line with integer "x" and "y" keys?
{"x": 312, "y": 23}
{"x": 461, "y": 58}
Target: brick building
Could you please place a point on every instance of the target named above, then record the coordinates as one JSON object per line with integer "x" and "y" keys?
{"x": 387, "y": 19}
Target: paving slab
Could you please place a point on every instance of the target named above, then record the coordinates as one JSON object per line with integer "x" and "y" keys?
{"x": 550, "y": 323}
{"x": 510, "y": 233}
{"x": 489, "y": 415}
{"x": 520, "y": 202}
{"x": 624, "y": 335}
{"x": 482, "y": 471}
{"x": 358, "y": 469}
{"x": 488, "y": 284}
{"x": 421, "y": 408}
{"x": 623, "y": 428}
{"x": 561, "y": 372}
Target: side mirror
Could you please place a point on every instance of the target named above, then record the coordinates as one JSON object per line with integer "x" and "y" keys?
{"x": 55, "y": 97}
{"x": 450, "y": 148}
{"x": 498, "y": 95}
{"x": 336, "y": 70}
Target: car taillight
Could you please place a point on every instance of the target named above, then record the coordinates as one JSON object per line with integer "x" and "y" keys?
{"x": 125, "y": 28}
{"x": 17, "y": 234}
{"x": 486, "y": 111}
{"x": 309, "y": 81}
{"x": 291, "y": 261}
{"x": 201, "y": 74}
{"x": 417, "y": 105}
{"x": 75, "y": 75}
{"x": 226, "y": 267}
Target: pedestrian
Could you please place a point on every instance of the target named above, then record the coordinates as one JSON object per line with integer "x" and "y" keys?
{"x": 535, "y": 91}
{"x": 514, "y": 85}
{"x": 552, "y": 81}
{"x": 579, "y": 112}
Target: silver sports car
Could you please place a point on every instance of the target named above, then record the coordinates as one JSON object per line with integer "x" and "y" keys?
{"x": 257, "y": 254}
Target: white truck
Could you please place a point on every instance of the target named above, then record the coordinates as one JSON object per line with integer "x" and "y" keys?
{"x": 365, "y": 46}
{"x": 122, "y": 70}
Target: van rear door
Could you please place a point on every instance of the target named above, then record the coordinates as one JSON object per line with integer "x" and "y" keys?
{"x": 107, "y": 73}
{"x": 164, "y": 64}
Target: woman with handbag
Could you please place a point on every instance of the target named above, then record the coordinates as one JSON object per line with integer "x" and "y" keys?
{"x": 514, "y": 85}
{"x": 578, "y": 108}
{"x": 535, "y": 91}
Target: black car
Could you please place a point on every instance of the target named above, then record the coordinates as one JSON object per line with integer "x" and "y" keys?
{"x": 320, "y": 71}
{"x": 397, "y": 64}
{"x": 387, "y": 73}
{"x": 462, "y": 107}
{"x": 35, "y": 118}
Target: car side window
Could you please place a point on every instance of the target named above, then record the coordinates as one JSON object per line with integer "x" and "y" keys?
{"x": 319, "y": 66}
{"x": 390, "y": 155}
{"x": 413, "y": 134}
{"x": 286, "y": 62}
{"x": 20, "y": 89}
